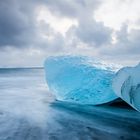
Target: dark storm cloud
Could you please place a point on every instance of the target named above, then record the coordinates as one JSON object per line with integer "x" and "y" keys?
{"x": 16, "y": 22}
{"x": 93, "y": 33}
{"x": 128, "y": 41}
{"x": 88, "y": 30}
{"x": 20, "y": 31}
{"x": 127, "y": 48}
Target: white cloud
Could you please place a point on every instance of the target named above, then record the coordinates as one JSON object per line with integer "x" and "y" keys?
{"x": 115, "y": 13}
{"x": 59, "y": 24}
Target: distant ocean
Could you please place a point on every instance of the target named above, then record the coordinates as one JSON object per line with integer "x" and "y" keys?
{"x": 28, "y": 111}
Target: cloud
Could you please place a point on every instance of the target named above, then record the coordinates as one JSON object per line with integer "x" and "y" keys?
{"x": 126, "y": 49}
{"x": 38, "y": 29}
{"x": 74, "y": 8}
{"x": 16, "y": 26}
{"x": 116, "y": 13}
{"x": 88, "y": 30}
{"x": 93, "y": 33}
{"x": 19, "y": 26}
{"x": 128, "y": 41}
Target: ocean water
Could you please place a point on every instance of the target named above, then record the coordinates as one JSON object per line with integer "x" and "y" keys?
{"x": 28, "y": 111}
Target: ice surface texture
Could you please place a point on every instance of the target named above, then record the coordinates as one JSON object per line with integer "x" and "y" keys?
{"x": 126, "y": 85}
{"x": 80, "y": 79}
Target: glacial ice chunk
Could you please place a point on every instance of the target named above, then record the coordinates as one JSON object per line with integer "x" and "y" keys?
{"x": 80, "y": 79}
{"x": 126, "y": 85}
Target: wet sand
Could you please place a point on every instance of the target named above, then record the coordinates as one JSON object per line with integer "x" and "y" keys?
{"x": 29, "y": 112}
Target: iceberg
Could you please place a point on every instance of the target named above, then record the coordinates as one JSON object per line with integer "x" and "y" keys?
{"x": 126, "y": 85}
{"x": 80, "y": 79}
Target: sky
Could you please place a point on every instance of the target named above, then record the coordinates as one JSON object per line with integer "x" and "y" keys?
{"x": 32, "y": 30}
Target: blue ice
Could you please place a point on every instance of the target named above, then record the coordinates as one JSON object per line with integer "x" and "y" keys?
{"x": 80, "y": 79}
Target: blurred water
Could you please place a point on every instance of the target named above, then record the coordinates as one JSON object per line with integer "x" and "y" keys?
{"x": 29, "y": 112}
